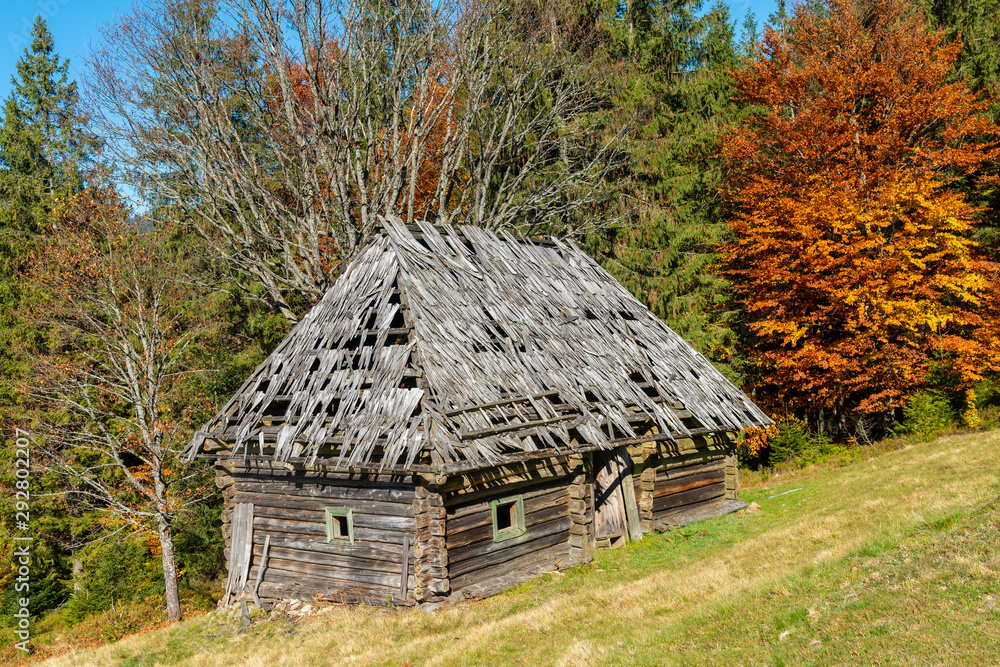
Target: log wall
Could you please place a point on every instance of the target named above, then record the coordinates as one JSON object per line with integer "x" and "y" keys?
{"x": 673, "y": 480}
{"x": 557, "y": 508}
{"x": 289, "y": 512}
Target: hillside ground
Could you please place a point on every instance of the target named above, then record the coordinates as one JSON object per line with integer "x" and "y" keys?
{"x": 889, "y": 559}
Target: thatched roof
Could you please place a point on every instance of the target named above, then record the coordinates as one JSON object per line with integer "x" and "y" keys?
{"x": 452, "y": 349}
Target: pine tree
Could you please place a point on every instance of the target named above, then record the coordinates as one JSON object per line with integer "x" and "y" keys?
{"x": 977, "y": 24}
{"x": 43, "y": 144}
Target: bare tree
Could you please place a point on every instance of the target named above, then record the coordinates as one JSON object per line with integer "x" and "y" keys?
{"x": 116, "y": 311}
{"x": 281, "y": 129}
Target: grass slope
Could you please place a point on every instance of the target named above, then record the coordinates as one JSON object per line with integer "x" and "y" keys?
{"x": 895, "y": 559}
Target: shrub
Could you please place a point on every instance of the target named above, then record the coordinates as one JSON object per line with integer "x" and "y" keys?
{"x": 115, "y": 572}
{"x": 926, "y": 415}
{"x": 794, "y": 441}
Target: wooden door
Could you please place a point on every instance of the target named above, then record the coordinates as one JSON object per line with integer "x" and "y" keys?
{"x": 616, "y": 512}
{"x": 609, "y": 501}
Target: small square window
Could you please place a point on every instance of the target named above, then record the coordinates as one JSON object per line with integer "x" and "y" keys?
{"x": 339, "y": 525}
{"x": 508, "y": 518}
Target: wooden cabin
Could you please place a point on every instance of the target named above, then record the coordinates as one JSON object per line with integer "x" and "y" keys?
{"x": 463, "y": 409}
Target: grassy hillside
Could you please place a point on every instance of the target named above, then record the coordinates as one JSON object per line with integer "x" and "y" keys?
{"x": 891, "y": 559}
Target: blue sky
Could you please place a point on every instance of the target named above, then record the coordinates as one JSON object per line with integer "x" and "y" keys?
{"x": 75, "y": 26}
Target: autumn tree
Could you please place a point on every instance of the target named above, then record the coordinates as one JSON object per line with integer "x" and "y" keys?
{"x": 852, "y": 260}
{"x": 123, "y": 323}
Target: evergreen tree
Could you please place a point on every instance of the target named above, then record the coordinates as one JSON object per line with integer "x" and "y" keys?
{"x": 43, "y": 148}
{"x": 977, "y": 22}
{"x": 677, "y": 96}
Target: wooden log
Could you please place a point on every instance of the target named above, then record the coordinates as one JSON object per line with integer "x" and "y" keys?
{"x": 361, "y": 520}
{"x": 693, "y": 469}
{"x": 384, "y": 551}
{"x": 350, "y": 575}
{"x": 682, "y": 516}
{"x": 472, "y": 482}
{"x": 460, "y": 505}
{"x": 689, "y": 482}
{"x": 660, "y": 437}
{"x": 310, "y": 504}
{"x": 543, "y": 558}
{"x": 479, "y": 514}
{"x": 309, "y": 530}
{"x": 297, "y": 590}
{"x": 687, "y": 498}
{"x": 272, "y": 488}
{"x": 305, "y": 584}
{"x": 484, "y": 533}
{"x": 550, "y": 532}
{"x": 387, "y": 563}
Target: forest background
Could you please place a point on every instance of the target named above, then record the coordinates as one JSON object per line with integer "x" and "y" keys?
{"x": 811, "y": 205}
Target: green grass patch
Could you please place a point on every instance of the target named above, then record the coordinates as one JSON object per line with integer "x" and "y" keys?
{"x": 888, "y": 559}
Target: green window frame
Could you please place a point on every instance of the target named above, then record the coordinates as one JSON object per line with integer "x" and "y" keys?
{"x": 339, "y": 525}
{"x": 508, "y": 518}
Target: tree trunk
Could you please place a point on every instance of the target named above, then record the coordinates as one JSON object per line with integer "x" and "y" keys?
{"x": 169, "y": 571}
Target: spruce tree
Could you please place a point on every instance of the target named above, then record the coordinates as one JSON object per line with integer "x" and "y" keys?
{"x": 678, "y": 97}
{"x": 43, "y": 149}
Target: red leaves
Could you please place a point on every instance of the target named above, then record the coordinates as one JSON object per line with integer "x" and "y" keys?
{"x": 852, "y": 260}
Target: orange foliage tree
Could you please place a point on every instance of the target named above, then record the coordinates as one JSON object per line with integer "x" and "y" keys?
{"x": 852, "y": 261}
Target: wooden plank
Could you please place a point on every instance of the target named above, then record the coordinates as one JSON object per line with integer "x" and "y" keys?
{"x": 542, "y": 557}
{"x": 494, "y": 404}
{"x": 240, "y": 548}
{"x": 260, "y": 570}
{"x": 688, "y": 482}
{"x": 550, "y": 531}
{"x": 404, "y": 576}
{"x": 484, "y": 533}
{"x": 609, "y": 501}
{"x": 688, "y": 497}
{"x": 631, "y": 506}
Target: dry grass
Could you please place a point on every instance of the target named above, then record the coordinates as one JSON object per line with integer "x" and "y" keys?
{"x": 849, "y": 569}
